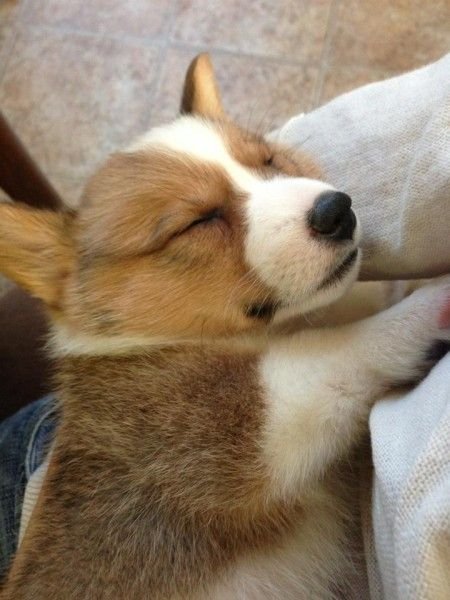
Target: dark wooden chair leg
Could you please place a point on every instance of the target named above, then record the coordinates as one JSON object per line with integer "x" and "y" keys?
{"x": 20, "y": 177}
{"x": 24, "y": 367}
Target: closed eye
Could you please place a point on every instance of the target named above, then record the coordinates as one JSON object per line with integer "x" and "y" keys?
{"x": 208, "y": 218}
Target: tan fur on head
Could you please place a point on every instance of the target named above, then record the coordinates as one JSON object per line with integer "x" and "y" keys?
{"x": 157, "y": 250}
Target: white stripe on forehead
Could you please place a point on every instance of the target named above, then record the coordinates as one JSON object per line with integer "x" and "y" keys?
{"x": 201, "y": 140}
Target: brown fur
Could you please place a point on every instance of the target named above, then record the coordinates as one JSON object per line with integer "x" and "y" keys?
{"x": 184, "y": 446}
{"x": 268, "y": 158}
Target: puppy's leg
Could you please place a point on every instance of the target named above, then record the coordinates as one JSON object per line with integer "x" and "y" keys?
{"x": 320, "y": 384}
{"x": 362, "y": 300}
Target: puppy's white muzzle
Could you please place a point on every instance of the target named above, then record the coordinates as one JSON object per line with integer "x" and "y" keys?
{"x": 301, "y": 240}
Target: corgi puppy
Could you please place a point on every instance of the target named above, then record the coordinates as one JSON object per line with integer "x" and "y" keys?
{"x": 202, "y": 435}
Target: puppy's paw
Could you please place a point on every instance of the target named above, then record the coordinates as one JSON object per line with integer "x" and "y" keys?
{"x": 438, "y": 350}
{"x": 433, "y": 315}
{"x": 417, "y": 331}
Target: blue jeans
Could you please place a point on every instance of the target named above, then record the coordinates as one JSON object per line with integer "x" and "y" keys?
{"x": 24, "y": 442}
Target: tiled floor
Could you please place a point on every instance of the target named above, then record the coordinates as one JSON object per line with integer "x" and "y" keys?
{"x": 80, "y": 78}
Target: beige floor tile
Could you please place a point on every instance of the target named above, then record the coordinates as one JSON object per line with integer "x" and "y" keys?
{"x": 69, "y": 188}
{"x": 340, "y": 79}
{"x": 72, "y": 99}
{"x": 386, "y": 35}
{"x": 259, "y": 93}
{"x": 283, "y": 28}
{"x": 137, "y": 18}
{"x": 9, "y": 14}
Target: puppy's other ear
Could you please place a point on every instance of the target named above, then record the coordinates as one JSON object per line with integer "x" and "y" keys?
{"x": 200, "y": 93}
{"x": 36, "y": 250}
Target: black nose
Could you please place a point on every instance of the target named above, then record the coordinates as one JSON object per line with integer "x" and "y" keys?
{"x": 332, "y": 217}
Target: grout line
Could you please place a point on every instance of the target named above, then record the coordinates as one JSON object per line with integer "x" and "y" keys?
{"x": 276, "y": 58}
{"x": 162, "y": 55}
{"x": 323, "y": 64}
{"x": 171, "y": 18}
{"x": 164, "y": 41}
{"x": 83, "y": 33}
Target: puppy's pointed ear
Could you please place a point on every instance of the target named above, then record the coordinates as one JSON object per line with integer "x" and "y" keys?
{"x": 36, "y": 250}
{"x": 201, "y": 94}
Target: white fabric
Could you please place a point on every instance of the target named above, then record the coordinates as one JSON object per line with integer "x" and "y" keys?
{"x": 388, "y": 145}
{"x": 411, "y": 499}
{"x": 32, "y": 491}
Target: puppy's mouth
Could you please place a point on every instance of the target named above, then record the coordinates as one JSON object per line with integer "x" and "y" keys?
{"x": 264, "y": 311}
{"x": 342, "y": 269}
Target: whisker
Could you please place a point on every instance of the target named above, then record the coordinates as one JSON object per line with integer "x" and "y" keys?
{"x": 302, "y": 142}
